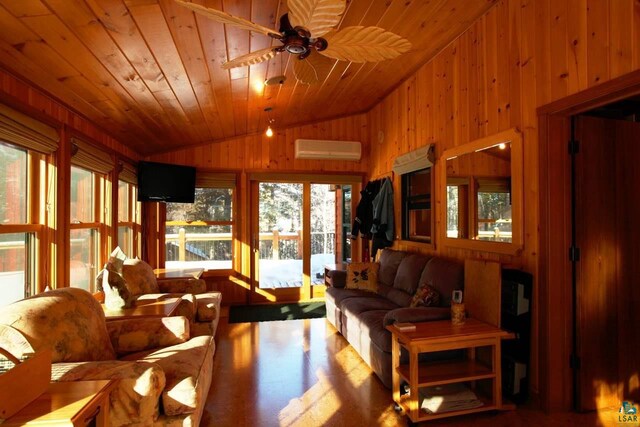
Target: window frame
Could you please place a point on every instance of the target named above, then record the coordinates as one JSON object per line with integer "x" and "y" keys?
{"x": 233, "y": 224}
{"x": 410, "y": 203}
{"x": 134, "y": 222}
{"x": 100, "y": 190}
{"x": 35, "y": 256}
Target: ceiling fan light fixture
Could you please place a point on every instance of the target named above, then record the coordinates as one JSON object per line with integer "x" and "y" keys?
{"x": 276, "y": 80}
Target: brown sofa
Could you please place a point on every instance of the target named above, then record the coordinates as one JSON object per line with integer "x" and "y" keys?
{"x": 361, "y": 316}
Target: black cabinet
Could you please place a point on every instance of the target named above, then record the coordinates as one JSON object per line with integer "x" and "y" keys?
{"x": 516, "y": 317}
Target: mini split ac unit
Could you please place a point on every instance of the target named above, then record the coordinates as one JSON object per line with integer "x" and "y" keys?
{"x": 327, "y": 150}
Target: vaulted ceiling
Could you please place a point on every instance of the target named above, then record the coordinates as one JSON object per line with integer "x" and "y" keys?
{"x": 148, "y": 71}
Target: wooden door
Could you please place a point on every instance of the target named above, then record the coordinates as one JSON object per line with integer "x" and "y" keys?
{"x": 606, "y": 209}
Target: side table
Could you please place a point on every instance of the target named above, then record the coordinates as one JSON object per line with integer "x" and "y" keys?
{"x": 441, "y": 336}
{"x": 73, "y": 403}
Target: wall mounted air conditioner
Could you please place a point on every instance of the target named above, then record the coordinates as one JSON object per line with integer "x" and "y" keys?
{"x": 318, "y": 149}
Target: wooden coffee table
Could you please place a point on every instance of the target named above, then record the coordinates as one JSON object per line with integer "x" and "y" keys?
{"x": 440, "y": 336}
{"x": 73, "y": 403}
{"x": 162, "y": 308}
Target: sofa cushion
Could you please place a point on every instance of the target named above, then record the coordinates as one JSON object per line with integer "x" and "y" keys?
{"x": 69, "y": 321}
{"x": 362, "y": 275}
{"x": 445, "y": 276}
{"x": 398, "y": 297}
{"x": 139, "y": 277}
{"x": 338, "y": 295}
{"x": 208, "y": 306}
{"x": 389, "y": 262}
{"x": 185, "y": 366}
{"x": 354, "y": 306}
{"x": 409, "y": 272}
{"x": 373, "y": 322}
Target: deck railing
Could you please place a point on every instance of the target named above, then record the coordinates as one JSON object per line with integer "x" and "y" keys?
{"x": 276, "y": 252}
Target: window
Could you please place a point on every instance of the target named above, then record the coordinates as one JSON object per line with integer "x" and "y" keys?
{"x": 129, "y": 228}
{"x": 85, "y": 227}
{"x": 18, "y": 234}
{"x": 494, "y": 210}
{"x": 416, "y": 205}
{"x": 200, "y": 234}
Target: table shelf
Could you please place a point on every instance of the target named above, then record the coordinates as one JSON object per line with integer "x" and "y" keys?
{"x": 446, "y": 372}
{"x": 488, "y": 405}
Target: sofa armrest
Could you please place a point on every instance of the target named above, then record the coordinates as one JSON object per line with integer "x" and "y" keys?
{"x": 182, "y": 286}
{"x": 136, "y": 397}
{"x": 337, "y": 278}
{"x": 417, "y": 314}
{"x": 133, "y": 335}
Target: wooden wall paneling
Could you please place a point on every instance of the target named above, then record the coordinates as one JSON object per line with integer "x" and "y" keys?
{"x": 89, "y": 42}
{"x": 215, "y": 54}
{"x": 151, "y": 22}
{"x": 483, "y": 290}
{"x": 621, "y": 44}
{"x": 598, "y": 41}
{"x": 577, "y": 44}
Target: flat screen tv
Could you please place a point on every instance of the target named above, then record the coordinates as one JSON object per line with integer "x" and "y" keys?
{"x": 163, "y": 182}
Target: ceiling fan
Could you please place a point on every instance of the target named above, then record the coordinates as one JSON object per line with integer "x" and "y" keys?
{"x": 308, "y": 30}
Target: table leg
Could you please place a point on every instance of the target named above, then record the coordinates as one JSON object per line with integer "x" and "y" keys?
{"x": 395, "y": 363}
{"x": 413, "y": 385}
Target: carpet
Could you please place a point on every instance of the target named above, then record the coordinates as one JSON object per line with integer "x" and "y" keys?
{"x": 267, "y": 313}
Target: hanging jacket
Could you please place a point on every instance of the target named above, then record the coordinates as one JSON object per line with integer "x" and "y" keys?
{"x": 382, "y": 225}
{"x": 364, "y": 211}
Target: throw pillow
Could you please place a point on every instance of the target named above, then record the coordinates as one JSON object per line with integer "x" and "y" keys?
{"x": 363, "y": 275}
{"x": 111, "y": 282}
{"x": 426, "y": 296}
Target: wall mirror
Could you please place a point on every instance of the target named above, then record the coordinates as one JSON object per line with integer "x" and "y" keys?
{"x": 482, "y": 186}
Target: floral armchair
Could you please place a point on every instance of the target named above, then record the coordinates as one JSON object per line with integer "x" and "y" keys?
{"x": 164, "y": 373}
{"x": 202, "y": 308}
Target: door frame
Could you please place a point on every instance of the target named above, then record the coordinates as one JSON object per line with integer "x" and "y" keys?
{"x": 259, "y": 295}
{"x": 554, "y": 267}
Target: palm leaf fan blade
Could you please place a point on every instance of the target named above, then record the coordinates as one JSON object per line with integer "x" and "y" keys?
{"x": 317, "y": 16}
{"x": 365, "y": 44}
{"x": 228, "y": 19}
{"x": 250, "y": 58}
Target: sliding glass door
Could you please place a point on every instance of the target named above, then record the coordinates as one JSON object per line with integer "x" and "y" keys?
{"x": 280, "y": 235}
{"x": 297, "y": 229}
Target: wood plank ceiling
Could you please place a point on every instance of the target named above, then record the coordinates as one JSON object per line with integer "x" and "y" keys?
{"x": 148, "y": 71}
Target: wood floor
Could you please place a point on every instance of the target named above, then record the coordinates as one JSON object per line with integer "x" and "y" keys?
{"x": 303, "y": 373}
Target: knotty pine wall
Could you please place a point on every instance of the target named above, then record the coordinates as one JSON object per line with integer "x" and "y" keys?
{"x": 257, "y": 153}
{"x": 32, "y": 101}
{"x": 521, "y": 55}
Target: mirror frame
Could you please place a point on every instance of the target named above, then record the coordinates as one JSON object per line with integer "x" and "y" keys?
{"x": 514, "y": 136}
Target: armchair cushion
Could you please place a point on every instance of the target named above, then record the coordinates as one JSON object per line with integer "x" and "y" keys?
{"x": 139, "y": 277}
{"x": 186, "y": 307}
{"x": 185, "y": 286}
{"x": 187, "y": 367}
{"x": 70, "y": 322}
{"x": 132, "y": 335}
{"x": 135, "y": 399}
